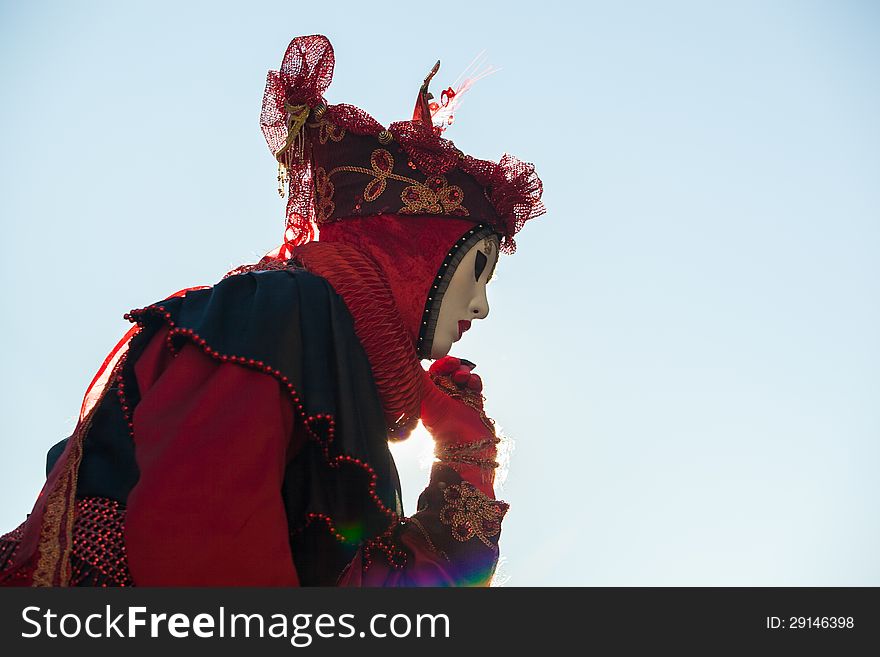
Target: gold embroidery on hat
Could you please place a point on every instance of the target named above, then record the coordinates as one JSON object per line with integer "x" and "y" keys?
{"x": 328, "y": 130}
{"x": 324, "y": 189}
{"x": 433, "y": 196}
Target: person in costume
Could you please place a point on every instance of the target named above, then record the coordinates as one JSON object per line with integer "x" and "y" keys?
{"x": 238, "y": 434}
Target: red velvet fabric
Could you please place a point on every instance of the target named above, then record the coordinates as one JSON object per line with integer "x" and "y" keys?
{"x": 409, "y": 250}
{"x": 212, "y": 443}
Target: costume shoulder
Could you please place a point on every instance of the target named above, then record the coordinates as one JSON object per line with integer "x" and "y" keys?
{"x": 288, "y": 319}
{"x": 252, "y": 313}
{"x": 296, "y": 324}
{"x": 291, "y": 325}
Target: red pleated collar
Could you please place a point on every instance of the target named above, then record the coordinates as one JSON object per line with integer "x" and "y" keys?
{"x": 362, "y": 284}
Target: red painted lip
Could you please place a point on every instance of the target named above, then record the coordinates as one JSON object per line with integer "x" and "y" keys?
{"x": 463, "y": 325}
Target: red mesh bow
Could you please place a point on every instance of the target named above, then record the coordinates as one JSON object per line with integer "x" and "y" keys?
{"x": 306, "y": 72}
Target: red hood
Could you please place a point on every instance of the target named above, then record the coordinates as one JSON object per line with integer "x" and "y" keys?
{"x": 410, "y": 251}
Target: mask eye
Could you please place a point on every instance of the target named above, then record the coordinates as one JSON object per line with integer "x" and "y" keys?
{"x": 479, "y": 265}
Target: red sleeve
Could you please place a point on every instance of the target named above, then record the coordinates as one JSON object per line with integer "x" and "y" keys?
{"x": 451, "y": 541}
{"x": 212, "y": 440}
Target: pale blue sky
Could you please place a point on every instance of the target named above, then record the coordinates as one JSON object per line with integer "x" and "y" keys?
{"x": 684, "y": 348}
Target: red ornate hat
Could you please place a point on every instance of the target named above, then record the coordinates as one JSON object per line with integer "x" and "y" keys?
{"x": 339, "y": 163}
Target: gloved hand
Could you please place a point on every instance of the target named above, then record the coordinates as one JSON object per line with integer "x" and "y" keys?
{"x": 451, "y": 395}
{"x": 459, "y": 370}
{"x": 452, "y": 411}
{"x": 452, "y": 539}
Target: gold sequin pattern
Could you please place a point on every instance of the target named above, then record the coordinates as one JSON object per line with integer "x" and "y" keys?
{"x": 471, "y": 513}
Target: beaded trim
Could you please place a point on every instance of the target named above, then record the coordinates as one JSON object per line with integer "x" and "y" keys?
{"x": 394, "y": 557}
{"x": 480, "y": 453}
{"x": 441, "y": 282}
{"x": 323, "y": 431}
{"x": 418, "y": 525}
{"x": 99, "y": 556}
{"x": 9, "y": 546}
